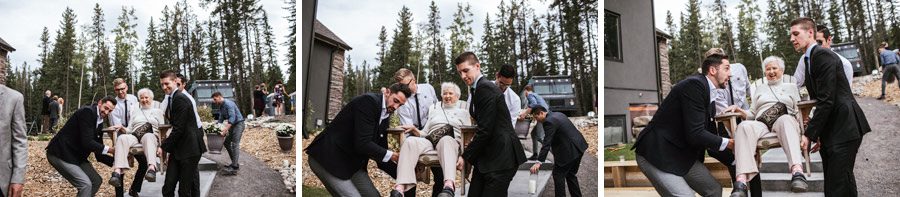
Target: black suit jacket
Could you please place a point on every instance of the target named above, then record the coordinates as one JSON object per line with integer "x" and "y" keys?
{"x": 837, "y": 118}
{"x": 495, "y": 145}
{"x": 76, "y": 140}
{"x": 354, "y": 136}
{"x": 563, "y": 137}
{"x": 681, "y": 129}
{"x": 185, "y": 139}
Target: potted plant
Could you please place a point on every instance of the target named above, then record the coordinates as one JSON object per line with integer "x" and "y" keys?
{"x": 214, "y": 138}
{"x": 285, "y": 133}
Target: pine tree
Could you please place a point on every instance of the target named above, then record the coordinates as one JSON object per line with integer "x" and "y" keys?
{"x": 438, "y": 61}
{"x": 124, "y": 43}
{"x": 461, "y": 35}
{"x": 400, "y": 51}
{"x": 748, "y": 51}
{"x": 552, "y": 43}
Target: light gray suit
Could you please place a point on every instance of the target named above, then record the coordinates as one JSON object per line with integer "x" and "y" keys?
{"x": 13, "y": 143}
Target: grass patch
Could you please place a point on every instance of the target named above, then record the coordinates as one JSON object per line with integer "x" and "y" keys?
{"x": 612, "y": 153}
{"x": 309, "y": 191}
{"x": 42, "y": 137}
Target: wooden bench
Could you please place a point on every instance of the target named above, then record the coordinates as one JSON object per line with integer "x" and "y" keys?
{"x": 430, "y": 158}
{"x": 770, "y": 140}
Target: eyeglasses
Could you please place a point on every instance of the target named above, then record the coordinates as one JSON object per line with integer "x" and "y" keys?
{"x": 120, "y": 89}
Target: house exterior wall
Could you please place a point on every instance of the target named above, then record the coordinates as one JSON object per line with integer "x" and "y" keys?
{"x": 634, "y": 79}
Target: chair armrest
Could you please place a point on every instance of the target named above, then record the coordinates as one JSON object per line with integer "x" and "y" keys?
{"x": 727, "y": 116}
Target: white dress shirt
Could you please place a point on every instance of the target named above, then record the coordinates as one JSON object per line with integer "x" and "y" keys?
{"x": 117, "y": 117}
{"x": 425, "y": 96}
{"x": 712, "y": 98}
{"x": 385, "y": 115}
{"x": 99, "y": 123}
{"x": 512, "y": 103}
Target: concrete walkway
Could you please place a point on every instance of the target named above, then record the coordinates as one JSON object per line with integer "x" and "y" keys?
{"x": 254, "y": 179}
{"x": 207, "y": 169}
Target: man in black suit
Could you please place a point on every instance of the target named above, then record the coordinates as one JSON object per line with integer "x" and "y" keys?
{"x": 339, "y": 154}
{"x": 670, "y": 149}
{"x": 184, "y": 143}
{"x": 70, "y": 147}
{"x": 838, "y": 123}
{"x": 568, "y": 147}
{"x": 495, "y": 150}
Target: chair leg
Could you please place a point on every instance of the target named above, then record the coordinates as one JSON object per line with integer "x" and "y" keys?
{"x": 808, "y": 170}
{"x": 465, "y": 176}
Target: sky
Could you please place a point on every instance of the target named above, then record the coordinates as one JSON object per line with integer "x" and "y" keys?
{"x": 358, "y": 23}
{"x": 24, "y": 21}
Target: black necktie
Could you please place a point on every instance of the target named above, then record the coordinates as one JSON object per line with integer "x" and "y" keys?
{"x": 169, "y": 108}
{"x": 418, "y": 116}
{"x": 472, "y": 103}
{"x": 126, "y": 112}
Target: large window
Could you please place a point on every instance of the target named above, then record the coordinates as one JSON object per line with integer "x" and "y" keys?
{"x": 612, "y": 40}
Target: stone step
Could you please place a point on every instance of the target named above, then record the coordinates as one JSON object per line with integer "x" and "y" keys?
{"x": 792, "y": 194}
{"x": 547, "y": 165}
{"x": 521, "y": 183}
{"x": 775, "y": 161}
{"x": 782, "y": 182}
{"x": 208, "y": 170}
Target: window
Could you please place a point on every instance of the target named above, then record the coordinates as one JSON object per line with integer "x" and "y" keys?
{"x": 612, "y": 44}
{"x": 614, "y": 130}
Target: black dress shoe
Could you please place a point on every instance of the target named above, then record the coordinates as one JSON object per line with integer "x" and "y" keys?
{"x": 880, "y": 98}
{"x": 395, "y": 193}
{"x": 151, "y": 175}
{"x": 133, "y": 193}
{"x": 798, "y": 183}
{"x": 447, "y": 192}
{"x": 115, "y": 180}
{"x": 740, "y": 190}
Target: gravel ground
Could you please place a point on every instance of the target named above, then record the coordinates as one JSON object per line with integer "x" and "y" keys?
{"x": 876, "y": 170}
{"x": 42, "y": 180}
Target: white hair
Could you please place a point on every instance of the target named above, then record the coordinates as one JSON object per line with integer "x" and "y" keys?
{"x": 145, "y": 91}
{"x": 450, "y": 86}
{"x": 773, "y": 59}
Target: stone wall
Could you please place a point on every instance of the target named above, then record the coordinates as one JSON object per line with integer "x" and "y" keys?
{"x": 336, "y": 89}
{"x": 3, "y": 65}
{"x": 663, "y": 45}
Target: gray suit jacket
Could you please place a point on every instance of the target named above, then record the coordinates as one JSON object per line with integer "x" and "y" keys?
{"x": 13, "y": 143}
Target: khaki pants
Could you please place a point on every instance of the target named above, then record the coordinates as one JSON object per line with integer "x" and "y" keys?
{"x": 748, "y": 134}
{"x": 413, "y": 147}
{"x": 45, "y": 124}
{"x": 124, "y": 144}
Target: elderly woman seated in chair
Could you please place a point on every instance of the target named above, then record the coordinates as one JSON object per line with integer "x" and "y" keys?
{"x": 144, "y": 125}
{"x": 441, "y": 133}
{"x": 772, "y": 113}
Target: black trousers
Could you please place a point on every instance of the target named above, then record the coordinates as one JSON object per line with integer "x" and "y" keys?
{"x": 567, "y": 174}
{"x": 138, "y": 176}
{"x": 726, "y": 157}
{"x": 491, "y": 183}
{"x": 182, "y": 172}
{"x": 838, "y": 161}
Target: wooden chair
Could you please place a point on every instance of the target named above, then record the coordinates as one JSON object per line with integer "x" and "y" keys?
{"x": 770, "y": 140}
{"x": 139, "y": 148}
{"x": 430, "y": 158}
